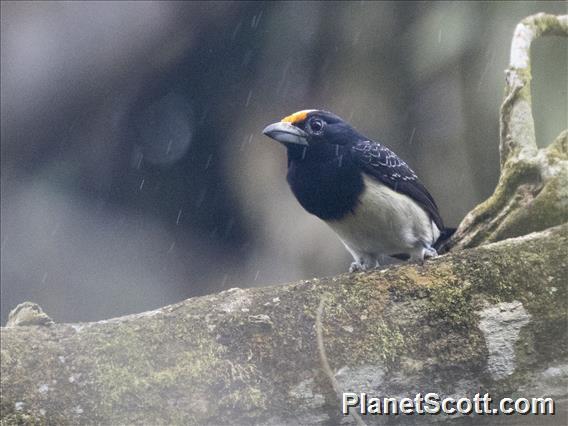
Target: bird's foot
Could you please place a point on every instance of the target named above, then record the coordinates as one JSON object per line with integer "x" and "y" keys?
{"x": 363, "y": 265}
{"x": 425, "y": 253}
{"x": 356, "y": 267}
{"x": 430, "y": 252}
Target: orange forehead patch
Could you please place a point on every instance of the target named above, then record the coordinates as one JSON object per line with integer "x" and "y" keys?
{"x": 297, "y": 117}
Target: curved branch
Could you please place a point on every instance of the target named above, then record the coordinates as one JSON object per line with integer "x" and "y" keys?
{"x": 530, "y": 195}
{"x": 531, "y": 28}
{"x": 491, "y": 318}
{"x": 517, "y": 123}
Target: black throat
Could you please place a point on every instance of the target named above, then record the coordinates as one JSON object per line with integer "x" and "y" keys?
{"x": 324, "y": 179}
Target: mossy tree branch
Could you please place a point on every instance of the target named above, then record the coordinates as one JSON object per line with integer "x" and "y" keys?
{"x": 517, "y": 123}
{"x": 532, "y": 193}
{"x": 491, "y": 318}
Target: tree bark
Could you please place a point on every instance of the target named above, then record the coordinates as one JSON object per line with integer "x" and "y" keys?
{"x": 491, "y": 318}
{"x": 532, "y": 192}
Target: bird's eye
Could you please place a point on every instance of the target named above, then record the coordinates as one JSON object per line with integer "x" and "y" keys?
{"x": 316, "y": 126}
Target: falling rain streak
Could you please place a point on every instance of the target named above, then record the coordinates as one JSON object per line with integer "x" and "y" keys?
{"x": 256, "y": 20}
{"x": 236, "y": 30}
{"x": 248, "y": 98}
{"x": 282, "y": 82}
{"x": 488, "y": 64}
{"x": 208, "y": 162}
{"x": 412, "y": 136}
{"x": 246, "y": 141}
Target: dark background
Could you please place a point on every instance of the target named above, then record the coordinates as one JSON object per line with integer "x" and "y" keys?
{"x": 134, "y": 173}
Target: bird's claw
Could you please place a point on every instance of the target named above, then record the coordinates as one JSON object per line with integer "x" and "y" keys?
{"x": 356, "y": 267}
{"x": 363, "y": 265}
{"x": 430, "y": 252}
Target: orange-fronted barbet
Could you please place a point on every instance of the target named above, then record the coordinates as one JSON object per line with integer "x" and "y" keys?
{"x": 370, "y": 197}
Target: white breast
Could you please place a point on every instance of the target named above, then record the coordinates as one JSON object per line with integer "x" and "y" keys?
{"x": 385, "y": 222}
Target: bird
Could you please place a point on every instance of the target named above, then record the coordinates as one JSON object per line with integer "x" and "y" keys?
{"x": 362, "y": 190}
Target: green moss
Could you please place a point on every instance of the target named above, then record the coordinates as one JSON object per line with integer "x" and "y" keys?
{"x": 542, "y": 290}
{"x": 513, "y": 175}
{"x": 389, "y": 343}
{"x": 531, "y": 204}
{"x": 247, "y": 398}
{"x": 544, "y": 23}
{"x": 558, "y": 150}
{"x": 452, "y": 303}
{"x": 548, "y": 209}
{"x": 358, "y": 302}
{"x": 536, "y": 206}
{"x": 129, "y": 379}
{"x": 10, "y": 417}
{"x": 22, "y": 419}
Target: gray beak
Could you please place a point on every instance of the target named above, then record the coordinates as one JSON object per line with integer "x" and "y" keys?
{"x": 286, "y": 133}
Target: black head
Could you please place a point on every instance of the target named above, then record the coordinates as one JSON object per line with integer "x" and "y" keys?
{"x": 312, "y": 128}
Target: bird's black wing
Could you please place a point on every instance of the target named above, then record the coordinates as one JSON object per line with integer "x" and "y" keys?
{"x": 384, "y": 165}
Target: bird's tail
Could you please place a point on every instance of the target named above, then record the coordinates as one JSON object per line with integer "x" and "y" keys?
{"x": 445, "y": 235}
